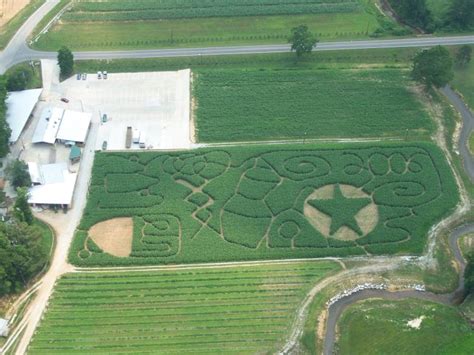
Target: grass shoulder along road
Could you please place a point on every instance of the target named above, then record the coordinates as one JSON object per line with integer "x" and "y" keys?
{"x": 464, "y": 82}
{"x": 404, "y": 327}
{"x": 246, "y": 309}
{"x": 112, "y": 25}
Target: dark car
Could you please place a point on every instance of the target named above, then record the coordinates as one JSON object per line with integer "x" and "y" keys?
{"x": 78, "y": 77}
{"x": 104, "y": 145}
{"x": 63, "y": 99}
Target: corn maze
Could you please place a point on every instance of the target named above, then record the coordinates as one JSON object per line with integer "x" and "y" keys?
{"x": 227, "y": 310}
{"x": 267, "y": 202}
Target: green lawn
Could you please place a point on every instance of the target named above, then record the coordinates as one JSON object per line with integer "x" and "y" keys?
{"x": 231, "y": 310}
{"x": 380, "y": 327}
{"x": 262, "y": 202}
{"x": 252, "y": 105}
{"x": 118, "y": 25}
{"x": 8, "y": 31}
{"x": 464, "y": 82}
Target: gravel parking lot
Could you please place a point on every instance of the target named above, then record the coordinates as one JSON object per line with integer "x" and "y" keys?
{"x": 157, "y": 104}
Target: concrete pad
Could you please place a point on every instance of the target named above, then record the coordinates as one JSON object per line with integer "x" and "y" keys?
{"x": 157, "y": 104}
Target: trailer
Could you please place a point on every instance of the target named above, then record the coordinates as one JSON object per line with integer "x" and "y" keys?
{"x": 128, "y": 139}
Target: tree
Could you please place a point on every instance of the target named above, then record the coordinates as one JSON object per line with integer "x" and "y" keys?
{"x": 18, "y": 174}
{"x": 463, "y": 56}
{"x": 22, "y": 210}
{"x": 66, "y": 62}
{"x": 22, "y": 255}
{"x": 469, "y": 274}
{"x": 5, "y": 131}
{"x": 414, "y": 13}
{"x": 461, "y": 14}
{"x": 433, "y": 67}
{"x": 19, "y": 79}
{"x": 302, "y": 41}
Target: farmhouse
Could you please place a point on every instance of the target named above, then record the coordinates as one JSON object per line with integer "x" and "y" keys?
{"x": 53, "y": 185}
{"x": 20, "y": 105}
{"x": 64, "y": 126}
{"x": 3, "y": 327}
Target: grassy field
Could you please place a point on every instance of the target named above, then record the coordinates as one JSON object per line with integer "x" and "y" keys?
{"x": 248, "y": 105}
{"x": 264, "y": 202}
{"x": 378, "y": 326}
{"x": 112, "y": 24}
{"x": 9, "y": 30}
{"x": 231, "y": 310}
{"x": 464, "y": 82}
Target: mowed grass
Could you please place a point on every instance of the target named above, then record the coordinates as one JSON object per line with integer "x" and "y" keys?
{"x": 100, "y": 25}
{"x": 380, "y": 327}
{"x": 249, "y": 105}
{"x": 213, "y": 310}
{"x": 464, "y": 82}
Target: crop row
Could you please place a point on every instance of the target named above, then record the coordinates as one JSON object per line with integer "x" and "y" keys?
{"x": 131, "y": 5}
{"x": 237, "y": 326}
{"x": 146, "y": 10}
{"x": 248, "y": 105}
{"x": 227, "y": 11}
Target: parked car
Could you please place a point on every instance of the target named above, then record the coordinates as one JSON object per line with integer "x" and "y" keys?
{"x": 63, "y": 99}
{"x": 78, "y": 76}
{"x": 84, "y": 76}
{"x": 99, "y": 75}
{"x": 105, "y": 74}
{"x": 104, "y": 118}
{"x": 104, "y": 145}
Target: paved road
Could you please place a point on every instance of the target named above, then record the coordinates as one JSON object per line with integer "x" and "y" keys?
{"x": 468, "y": 126}
{"x": 338, "y": 308}
{"x": 17, "y": 51}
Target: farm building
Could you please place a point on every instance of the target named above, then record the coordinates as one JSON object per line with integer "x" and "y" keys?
{"x": 20, "y": 105}
{"x": 64, "y": 126}
{"x": 3, "y": 327}
{"x": 75, "y": 154}
{"x": 53, "y": 185}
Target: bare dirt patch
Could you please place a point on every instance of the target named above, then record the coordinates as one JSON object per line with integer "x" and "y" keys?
{"x": 367, "y": 218}
{"x": 9, "y": 8}
{"x": 114, "y": 236}
{"x": 415, "y": 323}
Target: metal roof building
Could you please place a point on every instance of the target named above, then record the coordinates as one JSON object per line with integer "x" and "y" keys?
{"x": 3, "y": 327}
{"x": 56, "y": 124}
{"x": 20, "y": 105}
{"x": 53, "y": 184}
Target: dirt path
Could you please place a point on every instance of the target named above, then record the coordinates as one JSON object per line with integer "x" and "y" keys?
{"x": 64, "y": 226}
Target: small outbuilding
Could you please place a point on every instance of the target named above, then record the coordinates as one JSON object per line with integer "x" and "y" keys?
{"x": 4, "y": 327}
{"x": 75, "y": 154}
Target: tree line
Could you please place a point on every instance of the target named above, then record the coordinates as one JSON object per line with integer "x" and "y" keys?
{"x": 416, "y": 13}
